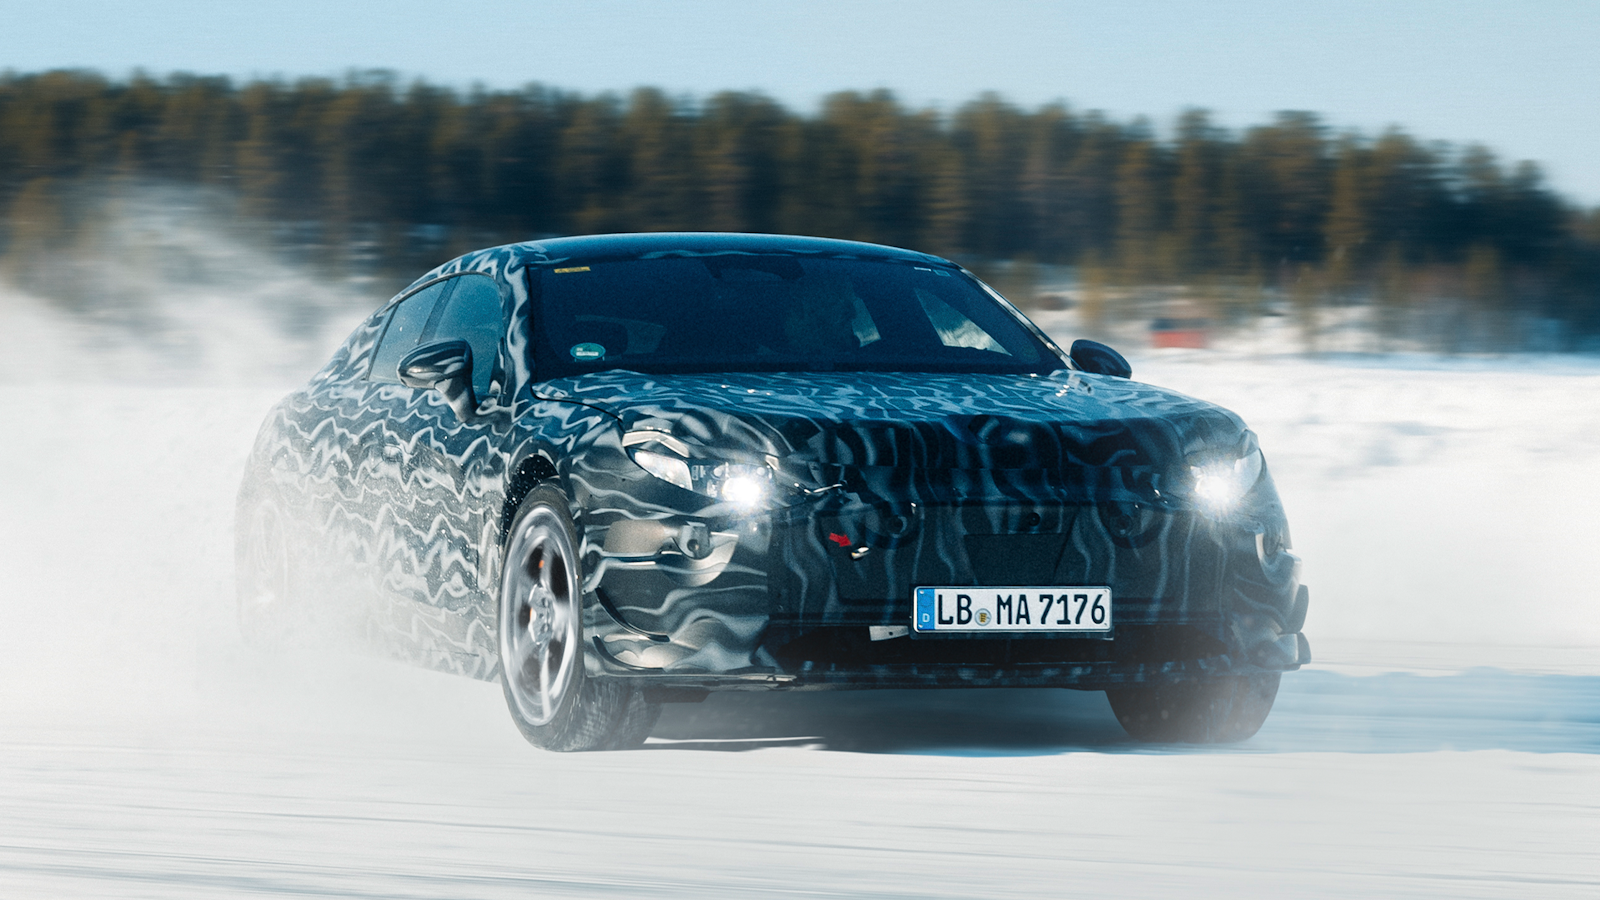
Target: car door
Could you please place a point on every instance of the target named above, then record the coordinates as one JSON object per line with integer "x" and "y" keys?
{"x": 440, "y": 479}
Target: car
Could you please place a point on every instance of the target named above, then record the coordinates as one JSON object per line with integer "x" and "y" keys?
{"x": 616, "y": 471}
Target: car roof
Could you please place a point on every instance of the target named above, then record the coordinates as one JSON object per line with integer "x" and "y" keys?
{"x": 501, "y": 261}
{"x": 692, "y": 243}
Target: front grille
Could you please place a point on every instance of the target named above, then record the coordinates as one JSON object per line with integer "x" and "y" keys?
{"x": 853, "y": 565}
{"x": 1014, "y": 559}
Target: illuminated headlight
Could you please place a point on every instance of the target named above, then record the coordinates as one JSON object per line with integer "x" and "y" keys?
{"x": 670, "y": 469}
{"x": 746, "y": 487}
{"x": 1219, "y": 484}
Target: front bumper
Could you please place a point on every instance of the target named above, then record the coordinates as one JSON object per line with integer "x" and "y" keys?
{"x": 792, "y": 597}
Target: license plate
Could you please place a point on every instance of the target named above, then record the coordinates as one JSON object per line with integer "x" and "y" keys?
{"x": 1062, "y": 609}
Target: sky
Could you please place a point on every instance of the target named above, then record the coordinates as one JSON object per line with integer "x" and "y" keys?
{"x": 1522, "y": 78}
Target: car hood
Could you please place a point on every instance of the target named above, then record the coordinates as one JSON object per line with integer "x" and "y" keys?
{"x": 915, "y": 420}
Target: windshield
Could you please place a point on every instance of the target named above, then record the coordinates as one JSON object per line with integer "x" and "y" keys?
{"x": 742, "y": 312}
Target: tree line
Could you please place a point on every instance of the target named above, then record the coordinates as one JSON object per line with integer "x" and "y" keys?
{"x": 369, "y": 172}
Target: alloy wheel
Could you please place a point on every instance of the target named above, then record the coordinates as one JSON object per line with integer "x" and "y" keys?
{"x": 539, "y": 616}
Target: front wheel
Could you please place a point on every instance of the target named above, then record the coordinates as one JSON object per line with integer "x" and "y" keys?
{"x": 1212, "y": 711}
{"x": 554, "y": 703}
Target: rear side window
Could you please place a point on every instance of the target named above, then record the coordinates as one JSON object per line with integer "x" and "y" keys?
{"x": 466, "y": 308}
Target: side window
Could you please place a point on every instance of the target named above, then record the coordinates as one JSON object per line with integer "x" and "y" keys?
{"x": 406, "y": 325}
{"x": 472, "y": 313}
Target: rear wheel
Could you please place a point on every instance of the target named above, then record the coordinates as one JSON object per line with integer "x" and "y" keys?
{"x": 1215, "y": 710}
{"x": 264, "y": 577}
{"x": 554, "y": 702}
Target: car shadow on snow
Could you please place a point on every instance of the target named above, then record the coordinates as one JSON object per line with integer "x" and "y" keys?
{"x": 903, "y": 721}
{"x": 1316, "y": 711}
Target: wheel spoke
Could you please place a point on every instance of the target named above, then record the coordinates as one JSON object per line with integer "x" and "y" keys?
{"x": 560, "y": 615}
{"x": 546, "y": 572}
{"x": 544, "y": 680}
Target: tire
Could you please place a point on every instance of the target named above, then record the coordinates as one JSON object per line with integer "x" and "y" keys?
{"x": 553, "y": 701}
{"x": 264, "y": 578}
{"x": 1213, "y": 711}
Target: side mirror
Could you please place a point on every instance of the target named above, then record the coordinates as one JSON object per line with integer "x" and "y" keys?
{"x": 445, "y": 366}
{"x": 1098, "y": 359}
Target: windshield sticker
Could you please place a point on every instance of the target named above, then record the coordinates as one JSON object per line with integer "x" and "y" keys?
{"x": 587, "y": 352}
{"x": 571, "y": 269}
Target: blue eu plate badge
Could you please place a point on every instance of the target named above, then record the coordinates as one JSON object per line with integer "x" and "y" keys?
{"x": 925, "y": 609}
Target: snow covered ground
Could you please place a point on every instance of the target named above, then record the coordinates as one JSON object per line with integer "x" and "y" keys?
{"x": 1445, "y": 744}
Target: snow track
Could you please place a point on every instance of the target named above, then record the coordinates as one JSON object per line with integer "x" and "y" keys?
{"x": 1347, "y": 792}
{"x": 1445, "y": 744}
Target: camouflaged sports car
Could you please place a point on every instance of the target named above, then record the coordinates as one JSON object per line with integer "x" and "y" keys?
{"x": 616, "y": 471}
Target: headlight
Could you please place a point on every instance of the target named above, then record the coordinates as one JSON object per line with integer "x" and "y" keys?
{"x": 667, "y": 468}
{"x": 1219, "y": 483}
{"x": 747, "y": 487}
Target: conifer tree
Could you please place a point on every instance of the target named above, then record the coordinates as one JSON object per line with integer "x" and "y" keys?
{"x": 369, "y": 174}
{"x": 1139, "y": 213}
